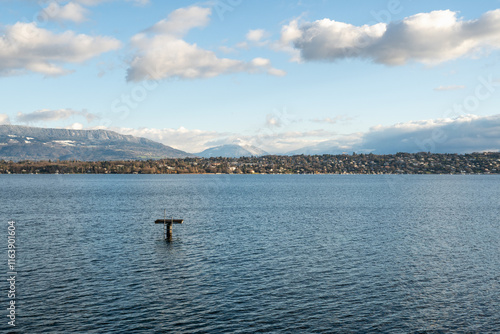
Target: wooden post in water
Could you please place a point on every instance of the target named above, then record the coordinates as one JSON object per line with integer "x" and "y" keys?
{"x": 169, "y": 229}
{"x": 167, "y": 225}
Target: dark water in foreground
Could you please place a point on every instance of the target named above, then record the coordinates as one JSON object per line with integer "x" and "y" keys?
{"x": 257, "y": 253}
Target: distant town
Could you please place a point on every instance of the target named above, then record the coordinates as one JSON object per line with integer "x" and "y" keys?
{"x": 400, "y": 163}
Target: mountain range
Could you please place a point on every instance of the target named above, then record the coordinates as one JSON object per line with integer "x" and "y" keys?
{"x": 31, "y": 143}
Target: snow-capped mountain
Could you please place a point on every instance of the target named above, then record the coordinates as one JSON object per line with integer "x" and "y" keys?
{"x": 31, "y": 143}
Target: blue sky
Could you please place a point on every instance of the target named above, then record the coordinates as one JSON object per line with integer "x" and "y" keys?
{"x": 329, "y": 76}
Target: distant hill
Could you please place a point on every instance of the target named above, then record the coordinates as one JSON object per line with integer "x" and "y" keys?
{"x": 30, "y": 143}
{"x": 232, "y": 151}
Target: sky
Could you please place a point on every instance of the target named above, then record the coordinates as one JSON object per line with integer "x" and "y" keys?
{"x": 286, "y": 76}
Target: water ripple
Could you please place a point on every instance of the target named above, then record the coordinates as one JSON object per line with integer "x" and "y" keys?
{"x": 318, "y": 254}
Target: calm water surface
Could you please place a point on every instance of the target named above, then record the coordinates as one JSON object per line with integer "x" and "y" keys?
{"x": 257, "y": 253}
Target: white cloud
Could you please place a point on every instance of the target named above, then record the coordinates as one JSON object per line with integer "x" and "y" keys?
{"x": 468, "y": 133}
{"x": 25, "y": 47}
{"x": 76, "y": 126}
{"x": 452, "y": 87}
{"x": 255, "y": 35}
{"x": 260, "y": 62}
{"x": 4, "y": 119}
{"x": 162, "y": 53}
{"x": 181, "y": 20}
{"x": 46, "y": 115}
{"x": 276, "y": 72}
{"x": 69, "y": 12}
{"x": 273, "y": 121}
{"x": 464, "y": 134}
{"x": 289, "y": 33}
{"x": 428, "y": 38}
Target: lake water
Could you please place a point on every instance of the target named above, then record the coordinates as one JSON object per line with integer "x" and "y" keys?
{"x": 257, "y": 253}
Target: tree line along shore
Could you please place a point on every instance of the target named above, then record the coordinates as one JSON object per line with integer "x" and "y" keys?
{"x": 400, "y": 163}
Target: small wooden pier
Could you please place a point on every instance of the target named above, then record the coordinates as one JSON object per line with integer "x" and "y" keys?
{"x": 167, "y": 225}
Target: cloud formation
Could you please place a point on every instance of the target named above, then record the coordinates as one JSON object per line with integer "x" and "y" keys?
{"x": 464, "y": 134}
{"x": 467, "y": 133}
{"x": 69, "y": 12}
{"x": 26, "y": 47}
{"x": 428, "y": 38}
{"x": 4, "y": 119}
{"x": 46, "y": 115}
{"x": 160, "y": 51}
{"x": 255, "y": 35}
